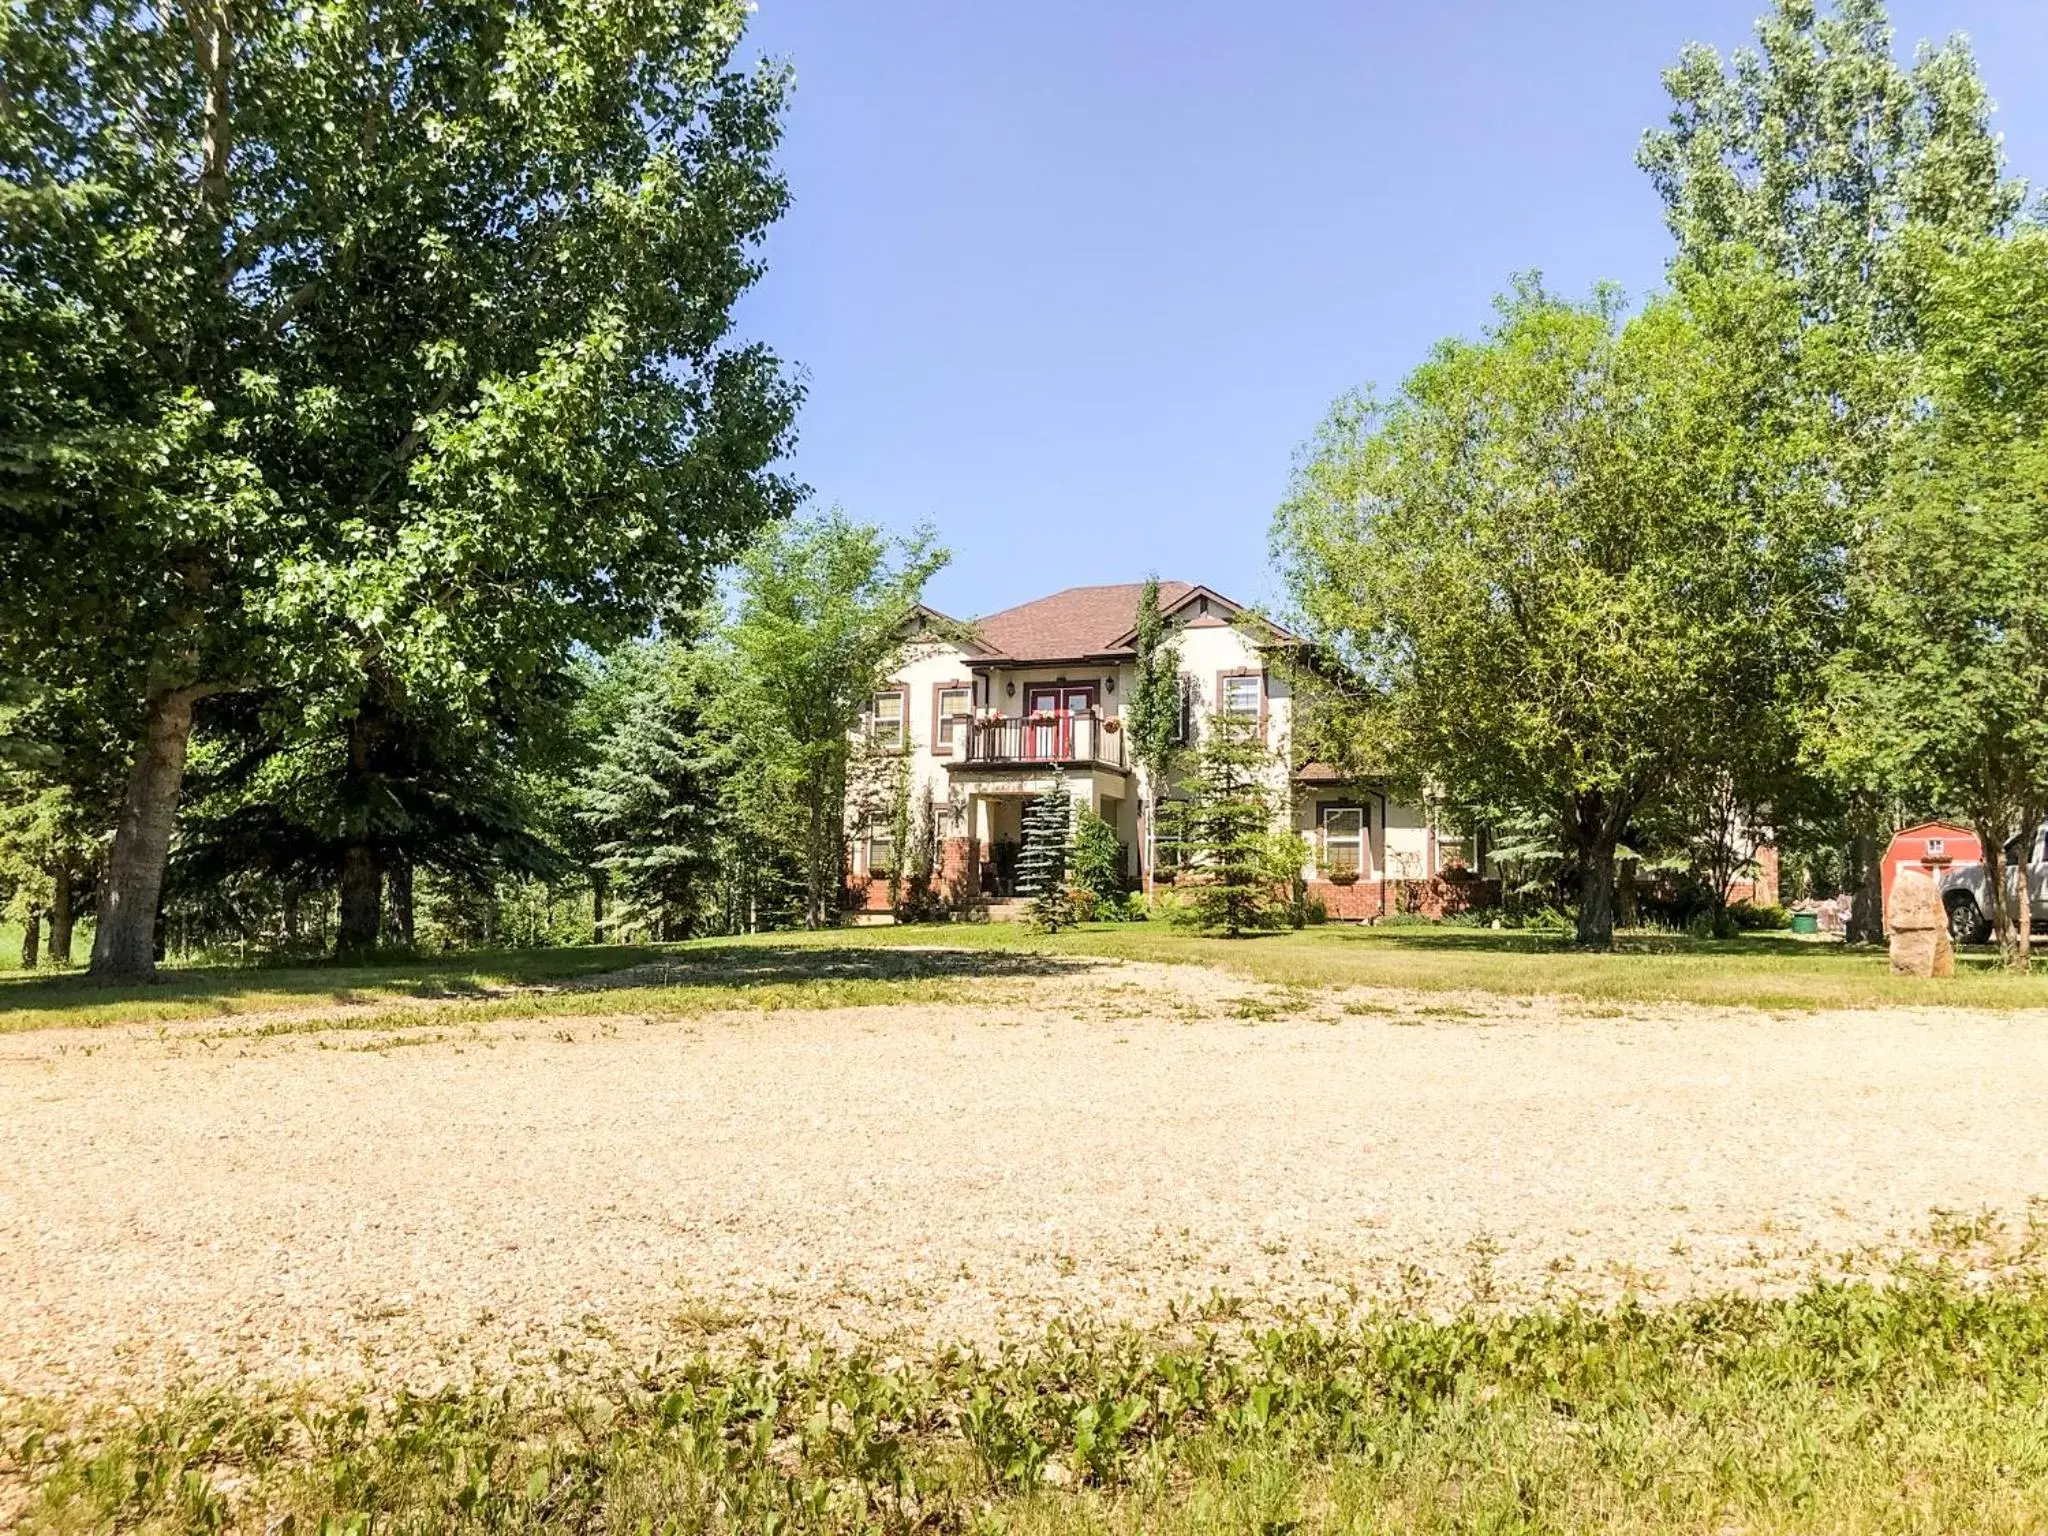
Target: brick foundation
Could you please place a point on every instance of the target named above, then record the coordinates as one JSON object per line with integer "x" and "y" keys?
{"x": 1762, "y": 891}
{"x": 1368, "y": 900}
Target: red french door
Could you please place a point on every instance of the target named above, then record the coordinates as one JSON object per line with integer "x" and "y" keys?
{"x": 1042, "y": 737}
{"x": 1049, "y": 737}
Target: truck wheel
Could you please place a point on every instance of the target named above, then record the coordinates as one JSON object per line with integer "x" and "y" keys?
{"x": 1966, "y": 925}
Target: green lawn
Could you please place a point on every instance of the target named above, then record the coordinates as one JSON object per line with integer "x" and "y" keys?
{"x": 1915, "y": 1407}
{"x": 959, "y": 961}
{"x": 1765, "y": 970}
{"x": 673, "y": 981}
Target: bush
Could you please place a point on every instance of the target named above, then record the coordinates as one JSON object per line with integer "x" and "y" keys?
{"x": 1315, "y": 912}
{"x": 1754, "y": 919}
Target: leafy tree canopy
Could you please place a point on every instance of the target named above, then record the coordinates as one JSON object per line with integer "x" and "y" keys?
{"x": 365, "y": 336}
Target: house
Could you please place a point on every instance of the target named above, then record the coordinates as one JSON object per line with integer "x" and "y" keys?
{"x": 987, "y": 714}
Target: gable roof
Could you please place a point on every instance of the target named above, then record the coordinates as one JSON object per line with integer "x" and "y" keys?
{"x": 1079, "y": 622}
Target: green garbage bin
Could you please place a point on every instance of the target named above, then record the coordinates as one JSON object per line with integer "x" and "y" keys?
{"x": 1806, "y": 922}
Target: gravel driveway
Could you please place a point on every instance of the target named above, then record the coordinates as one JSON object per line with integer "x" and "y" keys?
{"x": 318, "y": 1204}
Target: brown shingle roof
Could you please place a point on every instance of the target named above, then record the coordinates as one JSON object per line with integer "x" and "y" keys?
{"x": 1081, "y": 621}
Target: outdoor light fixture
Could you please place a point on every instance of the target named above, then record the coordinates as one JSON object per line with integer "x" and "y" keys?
{"x": 1011, "y": 686}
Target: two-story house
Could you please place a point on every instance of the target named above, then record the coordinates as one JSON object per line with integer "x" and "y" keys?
{"x": 988, "y": 720}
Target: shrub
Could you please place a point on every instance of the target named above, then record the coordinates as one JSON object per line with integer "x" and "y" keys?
{"x": 1755, "y": 919}
{"x": 1098, "y": 861}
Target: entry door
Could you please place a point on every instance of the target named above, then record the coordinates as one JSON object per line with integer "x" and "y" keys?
{"x": 1043, "y": 734}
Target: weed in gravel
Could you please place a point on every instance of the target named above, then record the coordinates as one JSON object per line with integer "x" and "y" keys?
{"x": 1917, "y": 1405}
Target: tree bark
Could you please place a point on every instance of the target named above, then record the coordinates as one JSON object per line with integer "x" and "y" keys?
{"x": 1597, "y": 831}
{"x": 598, "y": 883}
{"x": 124, "y": 943}
{"x": 1866, "y": 902}
{"x": 32, "y": 939}
{"x": 62, "y": 917}
{"x": 362, "y": 900}
{"x": 398, "y": 891}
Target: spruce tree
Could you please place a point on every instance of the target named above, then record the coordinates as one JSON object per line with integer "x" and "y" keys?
{"x": 1226, "y": 824}
{"x": 1042, "y": 862}
{"x": 651, "y": 798}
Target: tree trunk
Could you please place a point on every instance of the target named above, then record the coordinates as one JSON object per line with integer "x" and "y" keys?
{"x": 32, "y": 939}
{"x": 61, "y": 914}
{"x": 1866, "y": 902}
{"x": 1596, "y": 831}
{"x": 291, "y": 917}
{"x": 598, "y": 882}
{"x": 398, "y": 884}
{"x": 2021, "y": 954}
{"x": 124, "y": 943}
{"x": 1596, "y": 898}
{"x": 362, "y": 900}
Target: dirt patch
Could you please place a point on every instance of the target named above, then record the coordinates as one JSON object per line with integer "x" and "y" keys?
{"x": 1136, "y": 1138}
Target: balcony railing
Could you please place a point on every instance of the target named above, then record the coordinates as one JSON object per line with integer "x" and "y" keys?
{"x": 1067, "y": 738}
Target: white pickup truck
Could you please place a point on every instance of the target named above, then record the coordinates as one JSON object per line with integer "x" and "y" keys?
{"x": 1966, "y": 891}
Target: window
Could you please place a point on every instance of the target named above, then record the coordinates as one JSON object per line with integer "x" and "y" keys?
{"x": 1184, "y": 722}
{"x": 948, "y": 720}
{"x": 1169, "y": 829}
{"x": 889, "y": 721}
{"x": 1344, "y": 839}
{"x": 881, "y": 855}
{"x": 1242, "y": 693}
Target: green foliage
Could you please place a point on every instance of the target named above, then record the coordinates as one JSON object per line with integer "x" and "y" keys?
{"x": 1223, "y": 820}
{"x": 1098, "y": 862}
{"x": 823, "y": 612}
{"x": 1152, "y": 711}
{"x": 1942, "y": 694}
{"x": 651, "y": 797}
{"x": 1719, "y": 1411}
{"x": 1046, "y": 857}
{"x": 1816, "y": 149}
{"x": 1574, "y": 561}
{"x": 368, "y": 341}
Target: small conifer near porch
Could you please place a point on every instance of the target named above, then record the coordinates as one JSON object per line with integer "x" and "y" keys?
{"x": 1042, "y": 861}
{"x": 1225, "y": 825}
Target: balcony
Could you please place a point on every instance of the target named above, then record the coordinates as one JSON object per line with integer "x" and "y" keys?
{"x": 1063, "y": 739}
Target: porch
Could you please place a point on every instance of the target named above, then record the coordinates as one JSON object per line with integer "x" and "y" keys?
{"x": 994, "y": 820}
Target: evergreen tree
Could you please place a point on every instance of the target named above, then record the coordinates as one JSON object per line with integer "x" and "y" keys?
{"x": 1225, "y": 819}
{"x": 651, "y": 798}
{"x": 1043, "y": 861}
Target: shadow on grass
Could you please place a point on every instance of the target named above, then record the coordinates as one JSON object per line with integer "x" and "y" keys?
{"x": 753, "y": 965}
{"x": 1514, "y": 941}
{"x": 473, "y": 974}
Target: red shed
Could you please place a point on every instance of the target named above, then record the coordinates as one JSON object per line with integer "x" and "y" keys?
{"x": 1933, "y": 846}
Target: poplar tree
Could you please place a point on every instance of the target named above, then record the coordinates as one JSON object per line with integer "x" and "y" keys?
{"x": 367, "y": 347}
{"x": 1152, "y": 713}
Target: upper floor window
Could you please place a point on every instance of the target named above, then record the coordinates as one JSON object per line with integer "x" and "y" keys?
{"x": 954, "y": 706}
{"x": 1242, "y": 694}
{"x": 891, "y": 722}
{"x": 1184, "y": 722}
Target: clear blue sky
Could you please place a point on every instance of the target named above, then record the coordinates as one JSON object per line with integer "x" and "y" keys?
{"x": 1072, "y": 281}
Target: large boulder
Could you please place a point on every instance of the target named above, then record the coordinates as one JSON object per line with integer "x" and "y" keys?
{"x": 1919, "y": 925}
